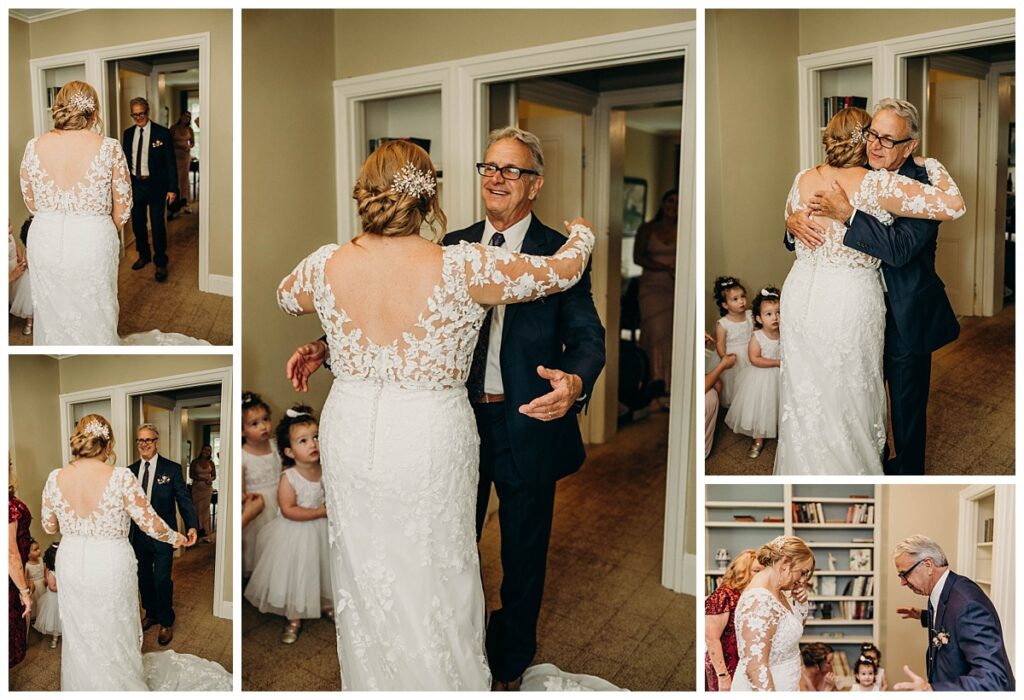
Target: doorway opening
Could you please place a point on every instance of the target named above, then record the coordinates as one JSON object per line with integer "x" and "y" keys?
{"x": 966, "y": 99}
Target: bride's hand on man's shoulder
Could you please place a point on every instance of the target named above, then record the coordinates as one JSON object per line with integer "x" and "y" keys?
{"x": 805, "y": 229}
{"x": 578, "y": 220}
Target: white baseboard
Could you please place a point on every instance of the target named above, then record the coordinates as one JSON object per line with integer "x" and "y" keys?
{"x": 218, "y": 284}
{"x": 225, "y": 610}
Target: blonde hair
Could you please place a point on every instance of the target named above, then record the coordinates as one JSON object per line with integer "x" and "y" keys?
{"x": 384, "y": 211}
{"x": 845, "y": 142}
{"x": 70, "y": 111}
{"x": 738, "y": 574}
{"x": 786, "y": 547}
{"x": 86, "y": 444}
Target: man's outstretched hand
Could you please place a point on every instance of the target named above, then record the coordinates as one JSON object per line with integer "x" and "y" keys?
{"x": 565, "y": 389}
{"x": 304, "y": 361}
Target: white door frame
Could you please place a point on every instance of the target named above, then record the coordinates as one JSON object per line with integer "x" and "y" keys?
{"x": 96, "y": 76}
{"x": 121, "y": 396}
{"x": 462, "y": 84}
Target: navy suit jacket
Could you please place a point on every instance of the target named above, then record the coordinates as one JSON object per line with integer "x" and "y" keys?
{"x": 975, "y": 657}
{"x": 169, "y": 491}
{"x": 163, "y": 168}
{"x": 561, "y": 331}
{"x": 916, "y": 296}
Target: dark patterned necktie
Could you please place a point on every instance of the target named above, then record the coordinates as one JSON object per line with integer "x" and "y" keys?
{"x": 931, "y": 638}
{"x": 138, "y": 153}
{"x": 478, "y": 370}
{"x": 145, "y": 480}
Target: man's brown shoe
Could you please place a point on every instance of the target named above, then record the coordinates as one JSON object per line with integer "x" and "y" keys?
{"x": 165, "y": 636}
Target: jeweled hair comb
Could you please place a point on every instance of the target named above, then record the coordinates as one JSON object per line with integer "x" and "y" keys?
{"x": 414, "y": 182}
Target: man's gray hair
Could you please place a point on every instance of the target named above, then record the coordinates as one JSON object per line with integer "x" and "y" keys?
{"x": 139, "y": 101}
{"x": 522, "y": 136}
{"x": 147, "y": 426}
{"x": 906, "y": 110}
{"x": 919, "y": 548}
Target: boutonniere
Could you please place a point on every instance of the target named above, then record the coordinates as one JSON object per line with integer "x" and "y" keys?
{"x": 940, "y": 639}
{"x": 163, "y": 479}
{"x": 157, "y": 144}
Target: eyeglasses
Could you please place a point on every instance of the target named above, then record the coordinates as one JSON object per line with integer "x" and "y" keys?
{"x": 509, "y": 172}
{"x": 139, "y": 115}
{"x": 146, "y": 441}
{"x": 903, "y": 574}
{"x": 886, "y": 142}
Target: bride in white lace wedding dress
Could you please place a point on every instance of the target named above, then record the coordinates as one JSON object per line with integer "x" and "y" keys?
{"x": 832, "y": 404}
{"x": 398, "y": 438}
{"x": 98, "y": 597}
{"x": 75, "y": 183}
{"x": 769, "y": 623}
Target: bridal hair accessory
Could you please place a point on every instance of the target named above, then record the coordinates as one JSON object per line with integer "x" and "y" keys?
{"x": 292, "y": 413}
{"x": 727, "y": 282}
{"x": 767, "y": 293}
{"x": 82, "y": 102}
{"x": 778, "y": 541}
{"x": 97, "y": 429}
{"x": 857, "y": 135}
{"x": 414, "y": 182}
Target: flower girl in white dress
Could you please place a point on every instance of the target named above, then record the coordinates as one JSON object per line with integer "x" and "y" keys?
{"x": 261, "y": 472}
{"x": 48, "y": 616}
{"x": 293, "y": 575}
{"x": 732, "y": 333}
{"x": 755, "y": 410}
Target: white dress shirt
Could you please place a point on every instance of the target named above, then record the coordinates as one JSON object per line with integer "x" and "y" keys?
{"x": 141, "y": 169}
{"x": 935, "y": 596}
{"x": 152, "y": 474}
{"x": 514, "y": 236}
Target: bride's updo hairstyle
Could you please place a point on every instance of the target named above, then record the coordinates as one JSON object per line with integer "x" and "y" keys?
{"x": 396, "y": 192}
{"x": 786, "y": 547}
{"x": 92, "y": 437}
{"x": 846, "y": 144}
{"x": 76, "y": 107}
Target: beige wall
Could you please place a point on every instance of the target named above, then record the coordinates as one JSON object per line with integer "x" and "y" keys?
{"x": 35, "y": 423}
{"x": 19, "y": 129}
{"x": 751, "y": 146}
{"x": 373, "y": 41}
{"x": 95, "y": 29}
{"x": 652, "y": 158}
{"x": 822, "y": 30}
{"x": 910, "y": 510}
{"x": 83, "y": 372}
{"x": 288, "y": 196}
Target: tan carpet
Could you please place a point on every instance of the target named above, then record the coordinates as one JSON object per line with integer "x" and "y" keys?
{"x": 605, "y": 611}
{"x": 970, "y": 409}
{"x": 196, "y": 630}
{"x": 174, "y": 306}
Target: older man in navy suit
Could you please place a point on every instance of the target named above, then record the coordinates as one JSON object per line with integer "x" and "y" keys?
{"x": 918, "y": 316}
{"x": 965, "y": 638}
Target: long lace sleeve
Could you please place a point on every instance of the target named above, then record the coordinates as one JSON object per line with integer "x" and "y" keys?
{"x": 793, "y": 198}
{"x": 496, "y": 276}
{"x": 49, "y": 509}
{"x": 29, "y": 163}
{"x": 142, "y": 513}
{"x": 120, "y": 187}
{"x": 296, "y": 291}
{"x": 757, "y": 621}
{"x": 902, "y": 196}
{"x": 801, "y": 608}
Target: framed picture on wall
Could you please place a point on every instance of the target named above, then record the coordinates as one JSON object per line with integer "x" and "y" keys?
{"x": 634, "y": 205}
{"x": 860, "y": 559}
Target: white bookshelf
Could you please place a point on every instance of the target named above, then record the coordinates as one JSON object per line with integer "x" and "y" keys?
{"x": 989, "y": 561}
{"x": 724, "y": 501}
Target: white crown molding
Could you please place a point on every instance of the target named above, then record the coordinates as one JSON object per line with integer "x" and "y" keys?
{"x": 17, "y": 14}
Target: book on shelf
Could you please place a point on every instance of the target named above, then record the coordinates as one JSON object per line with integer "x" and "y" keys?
{"x": 989, "y": 526}
{"x": 744, "y": 518}
{"x": 840, "y": 664}
{"x": 861, "y": 514}
{"x": 774, "y": 519}
{"x": 711, "y": 584}
{"x": 832, "y": 105}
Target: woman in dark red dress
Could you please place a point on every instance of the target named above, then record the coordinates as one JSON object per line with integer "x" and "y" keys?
{"x": 19, "y": 600}
{"x": 719, "y": 630}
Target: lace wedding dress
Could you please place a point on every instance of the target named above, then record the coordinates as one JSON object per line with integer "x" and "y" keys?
{"x": 768, "y": 640}
{"x": 73, "y": 251}
{"x": 832, "y": 406}
{"x": 98, "y": 596}
{"x": 400, "y": 454}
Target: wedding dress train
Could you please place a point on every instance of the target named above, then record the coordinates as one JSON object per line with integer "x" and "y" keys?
{"x": 73, "y": 252}
{"x": 400, "y": 454}
{"x": 98, "y": 596}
